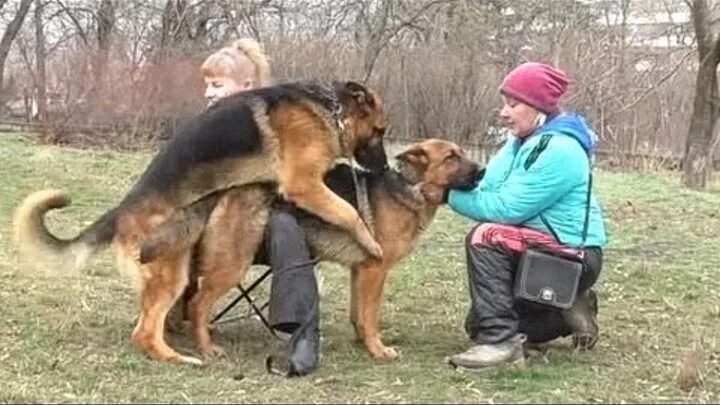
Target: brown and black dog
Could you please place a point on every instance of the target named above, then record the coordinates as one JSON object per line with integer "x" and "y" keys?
{"x": 402, "y": 201}
{"x": 286, "y": 137}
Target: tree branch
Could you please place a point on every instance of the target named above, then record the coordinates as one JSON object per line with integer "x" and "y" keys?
{"x": 81, "y": 30}
{"x": 383, "y": 40}
{"x": 9, "y": 36}
{"x": 652, "y": 89}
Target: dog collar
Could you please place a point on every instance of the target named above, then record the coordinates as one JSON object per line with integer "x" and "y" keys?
{"x": 327, "y": 96}
{"x": 337, "y": 115}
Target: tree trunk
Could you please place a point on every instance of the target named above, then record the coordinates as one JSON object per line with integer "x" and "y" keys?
{"x": 106, "y": 24}
{"x": 697, "y": 163}
{"x": 9, "y": 36}
{"x": 174, "y": 24}
{"x": 41, "y": 82}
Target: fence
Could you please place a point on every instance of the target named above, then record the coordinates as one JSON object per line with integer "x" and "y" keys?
{"x": 605, "y": 158}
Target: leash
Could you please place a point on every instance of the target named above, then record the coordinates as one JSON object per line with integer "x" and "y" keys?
{"x": 326, "y": 95}
{"x": 360, "y": 185}
{"x": 363, "y": 199}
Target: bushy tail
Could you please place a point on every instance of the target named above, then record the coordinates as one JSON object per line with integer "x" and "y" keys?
{"x": 41, "y": 250}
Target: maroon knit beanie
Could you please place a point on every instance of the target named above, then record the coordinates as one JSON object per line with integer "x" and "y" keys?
{"x": 536, "y": 84}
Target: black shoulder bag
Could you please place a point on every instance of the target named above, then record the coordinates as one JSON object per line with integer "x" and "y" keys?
{"x": 548, "y": 276}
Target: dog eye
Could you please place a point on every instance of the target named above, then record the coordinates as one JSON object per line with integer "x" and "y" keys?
{"x": 453, "y": 158}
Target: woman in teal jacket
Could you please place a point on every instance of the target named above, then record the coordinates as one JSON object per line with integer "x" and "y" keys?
{"x": 536, "y": 190}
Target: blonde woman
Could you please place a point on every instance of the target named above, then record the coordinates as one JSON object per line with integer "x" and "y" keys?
{"x": 239, "y": 67}
{"x": 294, "y": 298}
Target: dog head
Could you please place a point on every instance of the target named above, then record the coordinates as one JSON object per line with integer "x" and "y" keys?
{"x": 365, "y": 125}
{"x": 436, "y": 165}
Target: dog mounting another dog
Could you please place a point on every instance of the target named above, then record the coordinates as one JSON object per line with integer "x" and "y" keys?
{"x": 228, "y": 230}
{"x": 285, "y": 137}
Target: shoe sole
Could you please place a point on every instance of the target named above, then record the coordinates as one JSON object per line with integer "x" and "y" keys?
{"x": 584, "y": 342}
{"x": 518, "y": 364}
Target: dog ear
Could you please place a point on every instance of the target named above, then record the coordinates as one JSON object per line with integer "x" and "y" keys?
{"x": 360, "y": 94}
{"x": 416, "y": 157}
{"x": 412, "y": 164}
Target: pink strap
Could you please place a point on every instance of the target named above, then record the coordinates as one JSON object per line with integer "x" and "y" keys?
{"x": 516, "y": 238}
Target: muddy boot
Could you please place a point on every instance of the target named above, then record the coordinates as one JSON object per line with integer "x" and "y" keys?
{"x": 582, "y": 318}
{"x": 490, "y": 355}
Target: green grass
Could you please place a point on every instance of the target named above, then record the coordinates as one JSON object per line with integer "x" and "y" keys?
{"x": 67, "y": 339}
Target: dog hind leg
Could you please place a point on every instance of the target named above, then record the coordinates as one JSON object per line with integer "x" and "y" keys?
{"x": 161, "y": 283}
{"x": 233, "y": 235}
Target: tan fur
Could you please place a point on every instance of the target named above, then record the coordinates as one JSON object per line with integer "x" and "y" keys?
{"x": 160, "y": 285}
{"x": 222, "y": 244}
{"x": 298, "y": 148}
{"x": 399, "y": 221}
{"x": 29, "y": 227}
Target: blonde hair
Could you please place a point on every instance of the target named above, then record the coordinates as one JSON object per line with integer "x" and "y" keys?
{"x": 230, "y": 61}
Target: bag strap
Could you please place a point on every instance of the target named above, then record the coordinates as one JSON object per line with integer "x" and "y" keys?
{"x": 539, "y": 148}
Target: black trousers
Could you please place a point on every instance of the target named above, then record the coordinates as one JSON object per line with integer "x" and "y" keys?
{"x": 294, "y": 299}
{"x": 495, "y": 315}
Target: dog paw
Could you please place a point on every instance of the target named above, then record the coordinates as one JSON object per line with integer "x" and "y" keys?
{"x": 374, "y": 249}
{"x": 212, "y": 351}
{"x": 191, "y": 361}
{"x": 385, "y": 353}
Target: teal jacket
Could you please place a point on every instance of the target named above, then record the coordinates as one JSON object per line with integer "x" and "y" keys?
{"x": 555, "y": 184}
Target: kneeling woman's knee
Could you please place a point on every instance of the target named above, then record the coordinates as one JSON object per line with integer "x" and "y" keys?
{"x": 478, "y": 234}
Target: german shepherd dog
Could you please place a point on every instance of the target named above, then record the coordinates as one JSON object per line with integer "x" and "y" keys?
{"x": 287, "y": 136}
{"x": 402, "y": 203}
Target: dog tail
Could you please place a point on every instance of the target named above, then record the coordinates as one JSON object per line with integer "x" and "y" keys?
{"x": 254, "y": 52}
{"x": 41, "y": 250}
{"x": 179, "y": 232}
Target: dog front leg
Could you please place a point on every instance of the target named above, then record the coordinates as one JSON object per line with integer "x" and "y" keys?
{"x": 368, "y": 283}
{"x": 318, "y": 199}
{"x": 354, "y": 311}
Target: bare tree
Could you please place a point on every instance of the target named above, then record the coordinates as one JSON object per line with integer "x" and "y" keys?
{"x": 380, "y": 21}
{"x": 184, "y": 25}
{"x": 10, "y": 33}
{"x": 436, "y": 62}
{"x": 697, "y": 163}
{"x": 105, "y": 25}
{"x": 41, "y": 81}
{"x": 71, "y": 14}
